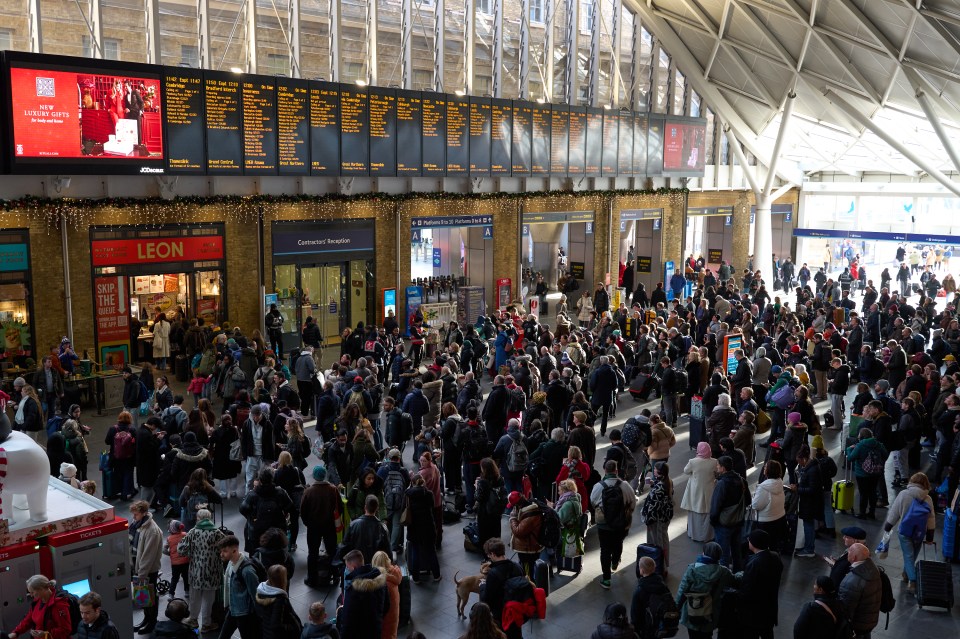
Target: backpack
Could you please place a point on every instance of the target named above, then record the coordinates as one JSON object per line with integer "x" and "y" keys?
{"x": 518, "y": 400}
{"x": 73, "y": 602}
{"x": 517, "y": 456}
{"x": 872, "y": 463}
{"x": 195, "y": 362}
{"x": 171, "y": 421}
{"x": 254, "y": 563}
{"x": 699, "y": 605}
{"x": 195, "y": 502}
{"x": 913, "y": 524}
{"x": 496, "y": 500}
{"x": 663, "y": 616}
{"x": 611, "y": 512}
{"x": 394, "y": 491}
{"x": 918, "y": 342}
{"x": 734, "y": 514}
{"x": 124, "y": 445}
{"x": 143, "y": 394}
{"x": 630, "y": 435}
{"x": 783, "y": 398}
{"x": 887, "y": 600}
{"x": 627, "y": 464}
{"x": 476, "y": 443}
{"x": 269, "y": 512}
{"x": 550, "y": 527}
{"x": 517, "y": 589}
{"x": 680, "y": 381}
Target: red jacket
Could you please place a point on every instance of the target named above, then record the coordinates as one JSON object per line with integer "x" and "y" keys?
{"x": 54, "y": 617}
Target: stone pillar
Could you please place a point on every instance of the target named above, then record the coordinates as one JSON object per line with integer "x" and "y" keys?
{"x": 674, "y": 228}
{"x": 741, "y": 232}
{"x": 605, "y": 252}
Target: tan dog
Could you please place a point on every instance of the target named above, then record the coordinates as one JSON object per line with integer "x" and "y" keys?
{"x": 467, "y": 585}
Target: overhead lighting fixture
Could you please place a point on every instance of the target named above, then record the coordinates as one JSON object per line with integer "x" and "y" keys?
{"x": 459, "y": 93}
{"x": 361, "y": 83}
{"x": 236, "y": 70}
{"x": 540, "y": 100}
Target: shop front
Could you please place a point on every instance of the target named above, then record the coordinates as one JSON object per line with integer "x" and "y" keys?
{"x": 326, "y": 271}
{"x": 16, "y": 300}
{"x": 179, "y": 271}
{"x": 640, "y": 230}
{"x": 558, "y": 245}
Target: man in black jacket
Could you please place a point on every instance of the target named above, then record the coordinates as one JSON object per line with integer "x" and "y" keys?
{"x": 743, "y": 377}
{"x": 603, "y": 383}
{"x": 366, "y": 533}
{"x": 364, "y": 597}
{"x": 492, "y": 588}
{"x": 758, "y": 588}
{"x": 649, "y": 585}
{"x": 725, "y": 515}
{"x": 495, "y": 410}
{"x": 840, "y": 566}
{"x": 822, "y": 617}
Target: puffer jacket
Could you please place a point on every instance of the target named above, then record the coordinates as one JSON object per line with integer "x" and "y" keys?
{"x": 277, "y": 618}
{"x": 861, "y": 591}
{"x": 525, "y": 527}
{"x": 699, "y": 577}
{"x": 432, "y": 392}
{"x": 364, "y": 603}
{"x": 662, "y": 439}
{"x": 768, "y": 500}
{"x": 189, "y": 458}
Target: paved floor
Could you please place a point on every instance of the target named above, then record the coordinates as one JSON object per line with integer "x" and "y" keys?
{"x": 576, "y": 603}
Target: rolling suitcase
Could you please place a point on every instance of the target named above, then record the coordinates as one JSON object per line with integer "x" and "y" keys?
{"x": 654, "y": 552}
{"x": 951, "y": 545}
{"x": 404, "y": 601}
{"x": 842, "y": 495}
{"x": 541, "y": 575}
{"x": 641, "y": 386}
{"x": 697, "y": 432}
{"x": 934, "y": 582}
{"x": 570, "y": 564}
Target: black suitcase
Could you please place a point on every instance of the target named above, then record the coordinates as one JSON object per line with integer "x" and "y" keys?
{"x": 570, "y": 564}
{"x": 324, "y": 569}
{"x": 697, "y": 432}
{"x": 541, "y": 575}
{"x": 652, "y": 551}
{"x": 641, "y": 386}
{"x": 934, "y": 583}
{"x": 182, "y": 368}
{"x": 404, "y": 601}
{"x": 790, "y": 542}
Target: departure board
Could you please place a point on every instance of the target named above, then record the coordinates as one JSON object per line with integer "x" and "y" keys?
{"x": 224, "y": 121}
{"x": 409, "y": 124}
{"x": 594, "y": 155}
{"x": 625, "y": 150}
{"x": 383, "y": 132}
{"x": 522, "y": 130}
{"x": 293, "y": 126}
{"x": 324, "y": 128}
{"x": 655, "y": 146}
{"x": 639, "y": 144}
{"x": 577, "y": 146}
{"x": 458, "y": 136}
{"x": 434, "y": 133}
{"x": 611, "y": 138}
{"x": 559, "y": 137}
{"x": 540, "y": 140}
{"x": 354, "y": 131}
{"x": 501, "y": 136}
{"x": 480, "y": 124}
{"x": 259, "y": 97}
{"x": 183, "y": 119}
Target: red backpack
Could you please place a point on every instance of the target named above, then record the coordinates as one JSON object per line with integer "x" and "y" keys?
{"x": 124, "y": 445}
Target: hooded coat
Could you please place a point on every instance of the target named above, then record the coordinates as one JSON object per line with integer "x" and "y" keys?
{"x": 190, "y": 456}
{"x": 277, "y": 618}
{"x": 364, "y": 603}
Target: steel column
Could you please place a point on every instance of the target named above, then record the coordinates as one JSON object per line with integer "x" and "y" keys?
{"x": 593, "y": 64}
{"x": 615, "y": 36}
{"x": 34, "y": 25}
{"x": 95, "y": 25}
{"x": 333, "y": 40}
{"x": 636, "y": 64}
{"x": 153, "y": 32}
{"x": 251, "y": 36}
{"x": 524, "y": 75}
{"x": 203, "y": 37}
{"x": 371, "y": 43}
{"x": 293, "y": 27}
{"x": 497, "y": 54}
{"x": 439, "y": 43}
{"x": 406, "y": 43}
{"x": 469, "y": 40}
{"x": 548, "y": 46}
{"x": 572, "y": 31}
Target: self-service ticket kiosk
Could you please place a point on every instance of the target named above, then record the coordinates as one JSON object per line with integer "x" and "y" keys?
{"x": 94, "y": 558}
{"x": 18, "y": 562}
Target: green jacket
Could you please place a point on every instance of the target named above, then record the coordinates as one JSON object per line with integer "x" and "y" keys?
{"x": 712, "y": 578}
{"x": 858, "y": 453}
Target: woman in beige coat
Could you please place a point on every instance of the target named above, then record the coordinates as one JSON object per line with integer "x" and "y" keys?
{"x": 699, "y": 493}
{"x": 161, "y": 341}
{"x": 662, "y": 439}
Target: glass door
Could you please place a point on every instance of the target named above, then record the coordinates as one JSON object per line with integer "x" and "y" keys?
{"x": 334, "y": 311}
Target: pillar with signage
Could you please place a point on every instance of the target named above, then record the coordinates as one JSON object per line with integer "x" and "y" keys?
{"x": 560, "y": 247}
{"x": 449, "y": 252}
{"x": 326, "y": 271}
{"x": 16, "y": 300}
{"x": 731, "y": 343}
{"x": 178, "y": 271}
{"x": 640, "y": 229}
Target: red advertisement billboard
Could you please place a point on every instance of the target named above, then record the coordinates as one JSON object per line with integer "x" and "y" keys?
{"x": 113, "y": 314}
{"x": 74, "y": 114}
{"x": 162, "y": 249}
{"x": 683, "y": 147}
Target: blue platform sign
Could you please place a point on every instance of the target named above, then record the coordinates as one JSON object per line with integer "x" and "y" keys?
{"x": 488, "y": 232}
{"x": 415, "y": 236}
{"x": 589, "y": 228}
{"x": 656, "y": 224}
{"x": 436, "y": 258}
{"x": 526, "y": 230}
{"x": 268, "y": 299}
{"x": 728, "y": 220}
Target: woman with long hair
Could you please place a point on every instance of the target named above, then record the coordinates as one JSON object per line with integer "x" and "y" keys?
{"x": 225, "y": 469}
{"x": 198, "y": 493}
{"x": 289, "y": 477}
{"x": 482, "y": 624}
{"x": 391, "y": 617}
{"x": 195, "y": 425}
{"x": 491, "y": 500}
{"x": 29, "y": 415}
{"x": 657, "y": 510}
{"x": 277, "y": 617}
{"x": 298, "y": 445}
{"x": 422, "y": 531}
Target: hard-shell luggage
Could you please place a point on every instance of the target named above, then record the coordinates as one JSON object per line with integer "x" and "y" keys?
{"x": 838, "y": 317}
{"x": 842, "y": 496}
{"x": 541, "y": 575}
{"x": 106, "y": 481}
{"x": 404, "y": 601}
{"x": 934, "y": 583}
{"x": 951, "y": 544}
{"x": 697, "y": 432}
{"x": 652, "y": 551}
{"x": 569, "y": 564}
{"x": 642, "y": 386}
{"x": 790, "y": 541}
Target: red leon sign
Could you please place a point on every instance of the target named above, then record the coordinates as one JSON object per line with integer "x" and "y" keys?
{"x": 166, "y": 249}
{"x": 113, "y": 318}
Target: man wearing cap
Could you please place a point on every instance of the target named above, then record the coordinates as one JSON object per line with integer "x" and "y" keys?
{"x": 318, "y": 509}
{"x": 758, "y": 588}
{"x": 840, "y": 565}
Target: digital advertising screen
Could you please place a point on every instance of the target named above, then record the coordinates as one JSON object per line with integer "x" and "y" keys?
{"x": 78, "y": 119}
{"x": 683, "y": 147}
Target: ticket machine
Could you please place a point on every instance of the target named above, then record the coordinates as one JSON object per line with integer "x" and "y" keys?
{"x": 18, "y": 562}
{"x": 94, "y": 558}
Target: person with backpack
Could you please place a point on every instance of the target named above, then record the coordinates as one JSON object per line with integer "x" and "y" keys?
{"x": 758, "y": 588}
{"x": 188, "y": 459}
{"x": 266, "y": 506}
{"x": 367, "y": 533}
{"x": 122, "y": 443}
{"x": 618, "y": 452}
{"x": 241, "y": 577}
{"x": 868, "y": 457}
{"x": 701, "y": 590}
{"x": 913, "y": 509}
{"x": 603, "y": 385}
{"x": 657, "y": 511}
{"x": 49, "y": 611}
{"x": 273, "y": 322}
{"x": 197, "y": 494}
{"x": 825, "y": 616}
{"x": 576, "y": 469}
{"x": 135, "y": 392}
{"x": 614, "y": 502}
{"x": 511, "y": 455}
{"x": 862, "y": 591}
{"x": 809, "y": 487}
{"x": 615, "y": 624}
{"x": 493, "y": 590}
{"x": 491, "y": 500}
{"x": 652, "y": 609}
{"x": 149, "y": 442}
{"x": 526, "y": 521}
{"x": 727, "y": 510}
{"x": 636, "y": 435}
{"x": 396, "y": 481}
{"x": 147, "y": 552}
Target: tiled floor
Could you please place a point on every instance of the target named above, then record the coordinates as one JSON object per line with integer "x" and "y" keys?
{"x": 576, "y": 603}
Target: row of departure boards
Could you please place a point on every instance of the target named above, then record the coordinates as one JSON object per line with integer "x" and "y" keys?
{"x": 229, "y": 124}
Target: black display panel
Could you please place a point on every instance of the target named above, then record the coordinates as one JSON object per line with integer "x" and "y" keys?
{"x": 611, "y": 137}
{"x": 559, "y": 137}
{"x": 480, "y": 123}
{"x": 324, "y": 128}
{"x": 540, "y": 140}
{"x": 434, "y": 133}
{"x": 293, "y": 126}
{"x": 594, "y": 155}
{"x": 577, "y": 145}
{"x": 501, "y": 136}
{"x": 625, "y": 150}
{"x": 259, "y": 98}
{"x": 409, "y": 123}
{"x": 383, "y": 132}
{"x": 639, "y": 144}
{"x": 224, "y": 120}
{"x": 183, "y": 120}
{"x": 354, "y": 131}
{"x": 522, "y": 131}
{"x": 458, "y": 136}
{"x": 655, "y": 146}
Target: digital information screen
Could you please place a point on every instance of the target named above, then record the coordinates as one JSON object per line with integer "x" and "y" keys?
{"x": 683, "y": 147}
{"x": 434, "y": 133}
{"x": 383, "y": 132}
{"x": 259, "y": 96}
{"x": 501, "y": 136}
{"x": 480, "y": 123}
{"x": 594, "y": 156}
{"x": 183, "y": 119}
{"x": 522, "y": 132}
{"x": 293, "y": 126}
{"x": 354, "y": 131}
{"x": 324, "y": 128}
{"x": 224, "y": 123}
{"x": 654, "y": 146}
{"x": 611, "y": 138}
{"x": 458, "y": 136}
{"x": 639, "y": 144}
{"x": 559, "y": 138}
{"x": 76, "y": 116}
{"x": 577, "y": 145}
{"x": 540, "y": 141}
{"x": 409, "y": 140}
{"x": 625, "y": 150}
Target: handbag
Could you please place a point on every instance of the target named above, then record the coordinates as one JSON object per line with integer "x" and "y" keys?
{"x": 144, "y": 595}
{"x": 406, "y": 517}
{"x": 763, "y": 422}
{"x": 236, "y": 451}
{"x": 750, "y": 522}
{"x": 104, "y": 461}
